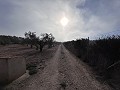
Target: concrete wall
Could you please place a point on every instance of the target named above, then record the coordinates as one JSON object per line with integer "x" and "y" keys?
{"x": 3, "y": 70}
{"x": 11, "y": 69}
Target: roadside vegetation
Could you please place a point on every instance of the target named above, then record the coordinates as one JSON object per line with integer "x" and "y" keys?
{"x": 102, "y": 54}
{"x": 39, "y": 42}
{"x": 5, "y": 40}
{"x": 32, "y": 41}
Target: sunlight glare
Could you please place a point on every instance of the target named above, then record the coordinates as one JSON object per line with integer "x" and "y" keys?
{"x": 64, "y": 21}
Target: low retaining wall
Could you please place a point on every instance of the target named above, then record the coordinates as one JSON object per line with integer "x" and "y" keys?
{"x": 11, "y": 68}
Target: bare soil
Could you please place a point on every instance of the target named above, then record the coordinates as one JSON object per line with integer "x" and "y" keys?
{"x": 62, "y": 71}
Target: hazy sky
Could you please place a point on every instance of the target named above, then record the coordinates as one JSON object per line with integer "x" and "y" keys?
{"x": 86, "y": 17}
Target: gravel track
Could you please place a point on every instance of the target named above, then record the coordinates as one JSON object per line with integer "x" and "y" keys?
{"x": 63, "y": 72}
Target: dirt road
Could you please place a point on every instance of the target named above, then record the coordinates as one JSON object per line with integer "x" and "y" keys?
{"x": 63, "y": 72}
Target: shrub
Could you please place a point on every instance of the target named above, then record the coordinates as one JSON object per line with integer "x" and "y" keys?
{"x": 100, "y": 54}
{"x": 32, "y": 67}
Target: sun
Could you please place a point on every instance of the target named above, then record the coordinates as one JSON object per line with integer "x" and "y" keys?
{"x": 64, "y": 21}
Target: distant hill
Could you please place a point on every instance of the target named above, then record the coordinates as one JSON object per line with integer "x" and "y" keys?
{"x": 10, "y": 40}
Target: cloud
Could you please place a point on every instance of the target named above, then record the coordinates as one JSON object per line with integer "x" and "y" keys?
{"x": 96, "y": 17}
{"x": 86, "y": 17}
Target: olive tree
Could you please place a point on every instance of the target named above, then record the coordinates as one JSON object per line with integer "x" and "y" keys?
{"x": 31, "y": 39}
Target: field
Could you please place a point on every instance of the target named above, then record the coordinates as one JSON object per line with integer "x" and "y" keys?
{"x": 30, "y": 54}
